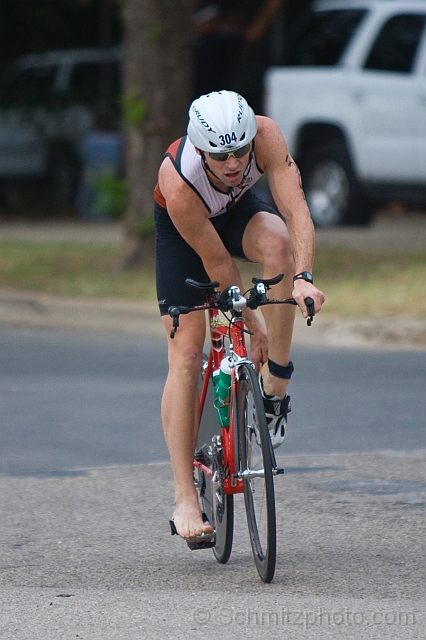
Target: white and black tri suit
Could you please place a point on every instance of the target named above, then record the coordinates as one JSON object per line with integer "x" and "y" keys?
{"x": 229, "y": 213}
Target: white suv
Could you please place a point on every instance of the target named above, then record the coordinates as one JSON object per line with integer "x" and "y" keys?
{"x": 352, "y": 106}
{"x": 48, "y": 102}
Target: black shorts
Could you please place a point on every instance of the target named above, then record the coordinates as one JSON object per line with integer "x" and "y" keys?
{"x": 176, "y": 260}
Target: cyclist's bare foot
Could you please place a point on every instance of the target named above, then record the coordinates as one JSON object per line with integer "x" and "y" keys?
{"x": 272, "y": 385}
{"x": 187, "y": 518}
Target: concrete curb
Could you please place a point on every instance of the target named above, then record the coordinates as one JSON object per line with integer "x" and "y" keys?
{"x": 386, "y": 233}
{"x": 41, "y": 310}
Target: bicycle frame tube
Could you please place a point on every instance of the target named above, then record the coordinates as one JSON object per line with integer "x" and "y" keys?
{"x": 219, "y": 330}
{"x": 216, "y": 354}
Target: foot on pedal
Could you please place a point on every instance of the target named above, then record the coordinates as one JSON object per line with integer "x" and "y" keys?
{"x": 276, "y": 410}
{"x": 203, "y": 541}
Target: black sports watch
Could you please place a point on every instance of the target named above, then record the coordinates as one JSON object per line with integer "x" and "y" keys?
{"x": 304, "y": 275}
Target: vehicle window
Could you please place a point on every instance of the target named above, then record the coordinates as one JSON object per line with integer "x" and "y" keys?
{"x": 91, "y": 82}
{"x": 323, "y": 38}
{"x": 396, "y": 45}
{"x": 84, "y": 85}
{"x": 30, "y": 87}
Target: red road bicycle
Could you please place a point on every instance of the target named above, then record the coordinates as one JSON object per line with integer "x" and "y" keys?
{"x": 240, "y": 458}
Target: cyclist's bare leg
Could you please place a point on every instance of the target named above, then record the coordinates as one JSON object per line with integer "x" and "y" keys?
{"x": 180, "y": 416}
{"x": 266, "y": 241}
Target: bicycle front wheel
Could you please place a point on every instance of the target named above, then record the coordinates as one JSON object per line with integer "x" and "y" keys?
{"x": 256, "y": 461}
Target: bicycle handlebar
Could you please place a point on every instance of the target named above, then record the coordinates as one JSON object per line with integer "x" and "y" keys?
{"x": 230, "y": 299}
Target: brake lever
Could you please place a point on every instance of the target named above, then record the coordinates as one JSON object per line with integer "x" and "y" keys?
{"x": 310, "y": 305}
{"x": 174, "y": 313}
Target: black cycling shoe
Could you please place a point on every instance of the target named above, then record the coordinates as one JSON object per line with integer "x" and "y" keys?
{"x": 276, "y": 410}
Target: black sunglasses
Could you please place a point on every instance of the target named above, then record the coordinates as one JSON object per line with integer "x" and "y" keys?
{"x": 224, "y": 155}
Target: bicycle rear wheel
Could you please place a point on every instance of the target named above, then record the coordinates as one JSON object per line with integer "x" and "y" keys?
{"x": 256, "y": 464}
{"x": 218, "y": 507}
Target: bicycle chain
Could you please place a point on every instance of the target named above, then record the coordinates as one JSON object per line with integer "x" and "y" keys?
{"x": 212, "y": 456}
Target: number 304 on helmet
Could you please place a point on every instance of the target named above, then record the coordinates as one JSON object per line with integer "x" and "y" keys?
{"x": 221, "y": 121}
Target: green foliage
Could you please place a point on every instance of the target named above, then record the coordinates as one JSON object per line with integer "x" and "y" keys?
{"x": 111, "y": 195}
{"x": 146, "y": 226}
{"x": 155, "y": 31}
{"x": 134, "y": 109}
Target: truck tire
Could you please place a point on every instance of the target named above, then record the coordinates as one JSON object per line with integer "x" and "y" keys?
{"x": 332, "y": 191}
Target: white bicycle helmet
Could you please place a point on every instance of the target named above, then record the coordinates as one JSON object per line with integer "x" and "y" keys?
{"x": 221, "y": 120}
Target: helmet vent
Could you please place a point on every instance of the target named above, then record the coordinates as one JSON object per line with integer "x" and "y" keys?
{"x": 221, "y": 120}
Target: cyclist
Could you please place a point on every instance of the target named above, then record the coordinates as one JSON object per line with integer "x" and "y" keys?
{"x": 206, "y": 215}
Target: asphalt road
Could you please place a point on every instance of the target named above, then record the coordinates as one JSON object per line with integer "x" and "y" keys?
{"x": 85, "y": 550}
{"x": 79, "y": 399}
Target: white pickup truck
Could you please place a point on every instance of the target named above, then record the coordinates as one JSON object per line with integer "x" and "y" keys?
{"x": 351, "y": 103}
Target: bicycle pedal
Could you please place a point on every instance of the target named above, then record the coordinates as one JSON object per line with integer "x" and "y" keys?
{"x": 208, "y": 544}
{"x": 278, "y": 471}
{"x": 205, "y": 541}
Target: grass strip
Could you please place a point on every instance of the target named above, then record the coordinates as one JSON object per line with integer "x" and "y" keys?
{"x": 356, "y": 284}
{"x": 72, "y": 269}
{"x": 372, "y": 284}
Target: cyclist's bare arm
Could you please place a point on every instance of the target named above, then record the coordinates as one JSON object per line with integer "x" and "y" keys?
{"x": 285, "y": 183}
{"x": 190, "y": 218}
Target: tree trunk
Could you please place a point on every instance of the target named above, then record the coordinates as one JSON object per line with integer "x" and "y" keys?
{"x": 157, "y": 77}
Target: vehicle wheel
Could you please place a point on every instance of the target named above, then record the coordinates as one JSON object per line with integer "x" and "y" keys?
{"x": 63, "y": 175}
{"x": 219, "y": 509}
{"x": 332, "y": 191}
{"x": 256, "y": 463}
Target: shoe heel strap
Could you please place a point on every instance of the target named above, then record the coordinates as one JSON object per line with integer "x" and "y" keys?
{"x": 270, "y": 406}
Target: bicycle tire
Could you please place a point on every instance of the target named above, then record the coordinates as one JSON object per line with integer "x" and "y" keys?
{"x": 255, "y": 455}
{"x": 220, "y": 517}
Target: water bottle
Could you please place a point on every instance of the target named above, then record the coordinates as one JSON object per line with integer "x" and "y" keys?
{"x": 222, "y": 383}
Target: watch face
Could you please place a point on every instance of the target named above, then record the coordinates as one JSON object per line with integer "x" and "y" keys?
{"x": 305, "y": 275}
